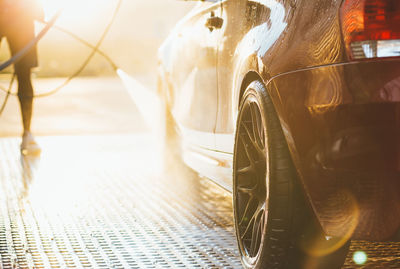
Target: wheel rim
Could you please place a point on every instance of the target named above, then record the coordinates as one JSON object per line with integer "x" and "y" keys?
{"x": 250, "y": 179}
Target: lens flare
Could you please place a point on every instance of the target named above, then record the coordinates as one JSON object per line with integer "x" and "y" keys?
{"x": 360, "y": 257}
{"x": 318, "y": 246}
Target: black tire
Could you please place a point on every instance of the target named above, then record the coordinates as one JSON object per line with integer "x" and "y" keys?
{"x": 274, "y": 224}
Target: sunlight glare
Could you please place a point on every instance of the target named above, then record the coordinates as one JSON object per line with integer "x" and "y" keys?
{"x": 73, "y": 10}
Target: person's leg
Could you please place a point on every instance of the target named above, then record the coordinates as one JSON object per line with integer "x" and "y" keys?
{"x": 19, "y": 34}
{"x": 25, "y": 95}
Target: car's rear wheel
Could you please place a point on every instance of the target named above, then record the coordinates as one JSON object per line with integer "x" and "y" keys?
{"x": 275, "y": 227}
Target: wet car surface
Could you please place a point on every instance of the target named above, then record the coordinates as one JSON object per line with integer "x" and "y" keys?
{"x": 95, "y": 202}
{"x": 293, "y": 107}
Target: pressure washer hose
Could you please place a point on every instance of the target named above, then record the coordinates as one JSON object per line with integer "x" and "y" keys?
{"x": 32, "y": 43}
{"x": 95, "y": 50}
{"x": 21, "y": 54}
{"x": 87, "y": 44}
{"x": 49, "y": 25}
{"x": 3, "y": 106}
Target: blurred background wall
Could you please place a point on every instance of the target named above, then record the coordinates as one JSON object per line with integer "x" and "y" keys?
{"x": 132, "y": 42}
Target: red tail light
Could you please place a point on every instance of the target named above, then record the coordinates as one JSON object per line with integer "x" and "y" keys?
{"x": 371, "y": 28}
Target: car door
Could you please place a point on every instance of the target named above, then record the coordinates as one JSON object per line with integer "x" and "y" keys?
{"x": 194, "y": 75}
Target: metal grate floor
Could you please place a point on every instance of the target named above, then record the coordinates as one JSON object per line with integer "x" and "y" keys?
{"x": 102, "y": 202}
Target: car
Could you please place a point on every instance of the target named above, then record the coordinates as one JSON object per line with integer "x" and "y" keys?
{"x": 294, "y": 107}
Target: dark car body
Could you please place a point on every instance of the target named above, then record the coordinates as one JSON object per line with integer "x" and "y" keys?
{"x": 340, "y": 117}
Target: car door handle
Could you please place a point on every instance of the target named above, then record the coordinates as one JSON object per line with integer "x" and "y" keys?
{"x": 214, "y": 22}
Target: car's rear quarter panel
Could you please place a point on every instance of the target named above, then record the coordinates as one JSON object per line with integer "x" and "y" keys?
{"x": 343, "y": 127}
{"x": 341, "y": 121}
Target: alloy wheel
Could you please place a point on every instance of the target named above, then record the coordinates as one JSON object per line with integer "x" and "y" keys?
{"x": 251, "y": 179}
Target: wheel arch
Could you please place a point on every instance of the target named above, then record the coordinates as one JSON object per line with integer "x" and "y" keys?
{"x": 250, "y": 77}
{"x": 247, "y": 80}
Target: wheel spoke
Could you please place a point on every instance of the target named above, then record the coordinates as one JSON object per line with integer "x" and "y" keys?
{"x": 253, "y": 219}
{"x": 247, "y": 228}
{"x": 247, "y": 190}
{"x": 254, "y": 237}
{"x": 256, "y": 145}
{"x": 245, "y": 170}
{"x": 257, "y": 231}
{"x": 246, "y": 149}
{"x": 254, "y": 113}
{"x": 246, "y": 210}
{"x": 262, "y": 223}
{"x": 258, "y": 132}
{"x": 249, "y": 133}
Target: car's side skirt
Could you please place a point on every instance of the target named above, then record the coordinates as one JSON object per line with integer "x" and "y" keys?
{"x": 214, "y": 165}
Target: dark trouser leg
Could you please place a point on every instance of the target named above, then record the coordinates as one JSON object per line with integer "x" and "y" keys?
{"x": 25, "y": 95}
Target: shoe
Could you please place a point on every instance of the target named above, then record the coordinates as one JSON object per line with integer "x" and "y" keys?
{"x": 29, "y": 145}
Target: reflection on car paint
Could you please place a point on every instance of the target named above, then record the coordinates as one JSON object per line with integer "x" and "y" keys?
{"x": 271, "y": 30}
{"x": 341, "y": 119}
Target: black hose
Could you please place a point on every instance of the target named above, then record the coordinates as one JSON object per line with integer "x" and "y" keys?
{"x": 32, "y": 43}
{"x": 87, "y": 44}
{"x": 89, "y": 58}
{"x": 3, "y": 106}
